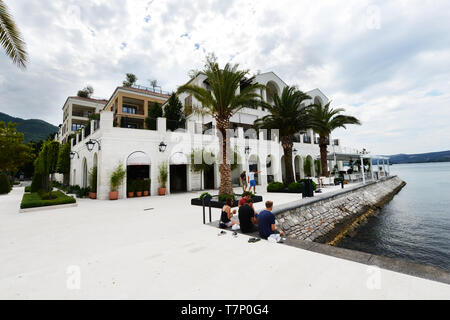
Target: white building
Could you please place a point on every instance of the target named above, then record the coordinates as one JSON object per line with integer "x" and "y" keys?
{"x": 139, "y": 149}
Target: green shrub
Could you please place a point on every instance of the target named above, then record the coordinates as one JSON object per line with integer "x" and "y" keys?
{"x": 16, "y": 183}
{"x": 146, "y": 184}
{"x": 93, "y": 179}
{"x": 5, "y": 187}
{"x": 295, "y": 186}
{"x": 32, "y": 200}
{"x": 224, "y": 197}
{"x": 28, "y": 189}
{"x": 117, "y": 177}
{"x": 204, "y": 194}
{"x": 36, "y": 183}
{"x": 275, "y": 186}
{"x": 83, "y": 192}
{"x": 130, "y": 186}
{"x": 163, "y": 174}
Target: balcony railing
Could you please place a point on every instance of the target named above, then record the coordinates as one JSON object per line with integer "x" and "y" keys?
{"x": 136, "y": 86}
{"x": 306, "y": 139}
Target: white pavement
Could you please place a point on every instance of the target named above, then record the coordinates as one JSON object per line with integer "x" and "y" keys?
{"x": 125, "y": 252}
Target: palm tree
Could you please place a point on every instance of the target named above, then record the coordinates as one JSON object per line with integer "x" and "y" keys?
{"x": 221, "y": 101}
{"x": 323, "y": 120}
{"x": 10, "y": 38}
{"x": 289, "y": 118}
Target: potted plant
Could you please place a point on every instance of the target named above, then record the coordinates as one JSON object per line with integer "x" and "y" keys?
{"x": 130, "y": 188}
{"x": 146, "y": 187}
{"x": 116, "y": 181}
{"x": 139, "y": 185}
{"x": 93, "y": 183}
{"x": 162, "y": 178}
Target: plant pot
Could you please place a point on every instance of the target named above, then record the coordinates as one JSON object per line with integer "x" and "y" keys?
{"x": 130, "y": 194}
{"x": 113, "y": 195}
{"x": 93, "y": 195}
{"x": 161, "y": 191}
{"x": 139, "y": 193}
{"x": 146, "y": 193}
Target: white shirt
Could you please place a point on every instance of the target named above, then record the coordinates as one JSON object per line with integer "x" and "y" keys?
{"x": 251, "y": 176}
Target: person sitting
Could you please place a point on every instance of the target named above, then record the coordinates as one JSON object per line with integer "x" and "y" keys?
{"x": 247, "y": 217}
{"x": 266, "y": 222}
{"x": 245, "y": 197}
{"x": 227, "y": 214}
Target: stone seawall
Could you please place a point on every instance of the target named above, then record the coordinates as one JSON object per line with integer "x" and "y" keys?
{"x": 331, "y": 217}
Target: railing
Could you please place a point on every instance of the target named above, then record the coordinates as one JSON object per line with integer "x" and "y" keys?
{"x": 136, "y": 86}
{"x": 79, "y": 114}
{"x": 306, "y": 139}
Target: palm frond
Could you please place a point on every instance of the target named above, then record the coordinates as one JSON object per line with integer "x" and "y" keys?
{"x": 11, "y": 39}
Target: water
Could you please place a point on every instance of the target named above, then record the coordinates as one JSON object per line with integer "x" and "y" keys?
{"x": 415, "y": 225}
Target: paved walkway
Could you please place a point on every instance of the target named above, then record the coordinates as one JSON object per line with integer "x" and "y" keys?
{"x": 125, "y": 251}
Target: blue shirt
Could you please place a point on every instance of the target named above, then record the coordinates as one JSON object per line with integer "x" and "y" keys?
{"x": 265, "y": 221}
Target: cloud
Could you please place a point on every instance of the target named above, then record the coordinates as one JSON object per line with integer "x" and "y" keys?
{"x": 384, "y": 62}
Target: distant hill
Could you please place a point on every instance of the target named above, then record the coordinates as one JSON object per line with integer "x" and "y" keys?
{"x": 441, "y": 156}
{"x": 33, "y": 129}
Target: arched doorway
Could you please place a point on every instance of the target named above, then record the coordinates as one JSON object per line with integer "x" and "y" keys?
{"x": 298, "y": 163}
{"x": 308, "y": 166}
{"x": 270, "y": 167}
{"x": 271, "y": 91}
{"x": 178, "y": 172}
{"x": 85, "y": 174}
{"x": 138, "y": 172}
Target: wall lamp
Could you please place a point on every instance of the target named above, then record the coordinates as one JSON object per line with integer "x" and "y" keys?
{"x": 162, "y": 147}
{"x": 294, "y": 151}
{"x": 72, "y": 154}
{"x": 90, "y": 144}
{"x": 247, "y": 150}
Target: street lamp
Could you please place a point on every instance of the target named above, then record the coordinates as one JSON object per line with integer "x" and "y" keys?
{"x": 90, "y": 144}
{"x": 162, "y": 147}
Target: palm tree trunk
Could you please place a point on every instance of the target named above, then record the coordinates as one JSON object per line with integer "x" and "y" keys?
{"x": 323, "y": 142}
{"x": 224, "y": 167}
{"x": 286, "y": 143}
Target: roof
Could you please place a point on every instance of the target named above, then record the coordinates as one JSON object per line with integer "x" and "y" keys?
{"x": 147, "y": 92}
{"x": 102, "y": 101}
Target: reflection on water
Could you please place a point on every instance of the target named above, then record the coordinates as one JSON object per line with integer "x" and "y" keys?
{"x": 415, "y": 225}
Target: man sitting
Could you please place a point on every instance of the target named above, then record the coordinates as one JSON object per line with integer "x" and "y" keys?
{"x": 245, "y": 197}
{"x": 266, "y": 222}
{"x": 247, "y": 219}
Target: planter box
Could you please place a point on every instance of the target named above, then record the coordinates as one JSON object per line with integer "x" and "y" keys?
{"x": 215, "y": 203}
{"x": 286, "y": 190}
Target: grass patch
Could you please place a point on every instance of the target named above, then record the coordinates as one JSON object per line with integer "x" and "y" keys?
{"x": 33, "y": 200}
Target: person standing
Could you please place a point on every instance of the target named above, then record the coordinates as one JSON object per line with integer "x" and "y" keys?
{"x": 251, "y": 180}
{"x": 243, "y": 178}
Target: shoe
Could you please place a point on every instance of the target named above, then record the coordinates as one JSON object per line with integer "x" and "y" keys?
{"x": 235, "y": 234}
{"x": 221, "y": 233}
{"x": 251, "y": 240}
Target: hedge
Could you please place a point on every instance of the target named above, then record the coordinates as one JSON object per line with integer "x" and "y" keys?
{"x": 275, "y": 186}
{"x": 33, "y": 200}
{"x": 5, "y": 187}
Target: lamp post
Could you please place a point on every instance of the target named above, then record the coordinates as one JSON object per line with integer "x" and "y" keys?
{"x": 90, "y": 144}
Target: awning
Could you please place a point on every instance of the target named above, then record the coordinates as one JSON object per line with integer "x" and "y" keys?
{"x": 178, "y": 158}
{"x": 352, "y": 156}
{"x": 138, "y": 158}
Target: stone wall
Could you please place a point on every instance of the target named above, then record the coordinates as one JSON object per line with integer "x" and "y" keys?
{"x": 330, "y": 217}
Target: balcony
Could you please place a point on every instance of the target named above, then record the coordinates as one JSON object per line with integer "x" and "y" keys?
{"x": 306, "y": 138}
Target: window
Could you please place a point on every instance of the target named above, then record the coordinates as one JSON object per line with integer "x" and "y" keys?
{"x": 77, "y": 126}
{"x": 129, "y": 109}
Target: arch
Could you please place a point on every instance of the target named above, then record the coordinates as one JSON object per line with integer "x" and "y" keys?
{"x": 178, "y": 158}
{"x": 138, "y": 158}
{"x": 85, "y": 174}
{"x": 298, "y": 164}
{"x": 272, "y": 89}
{"x": 95, "y": 160}
{"x": 308, "y": 172}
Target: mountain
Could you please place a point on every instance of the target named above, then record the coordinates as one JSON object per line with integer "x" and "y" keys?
{"x": 441, "y": 156}
{"x": 33, "y": 129}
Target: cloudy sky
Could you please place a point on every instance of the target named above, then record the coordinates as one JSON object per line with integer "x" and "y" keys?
{"x": 386, "y": 62}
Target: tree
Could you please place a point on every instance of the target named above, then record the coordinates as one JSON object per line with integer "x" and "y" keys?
{"x": 222, "y": 102}
{"x": 63, "y": 164}
{"x": 10, "y": 38}
{"x": 130, "y": 80}
{"x": 307, "y": 167}
{"x": 86, "y": 92}
{"x": 323, "y": 120}
{"x": 155, "y": 110}
{"x": 13, "y": 152}
{"x": 46, "y": 164}
{"x": 173, "y": 112}
{"x": 289, "y": 118}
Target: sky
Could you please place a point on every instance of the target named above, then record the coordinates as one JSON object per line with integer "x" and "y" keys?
{"x": 385, "y": 62}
